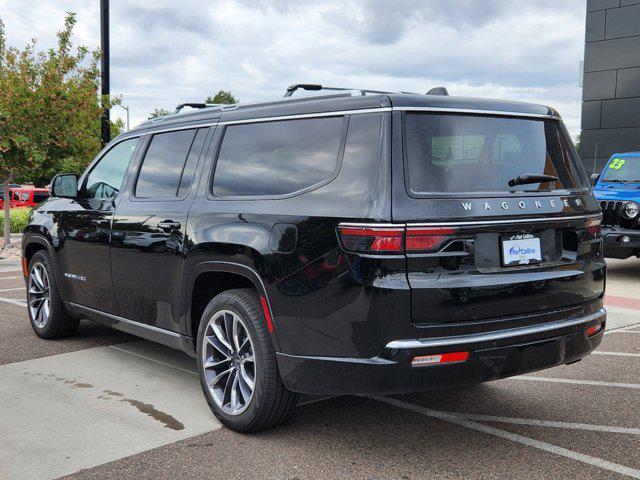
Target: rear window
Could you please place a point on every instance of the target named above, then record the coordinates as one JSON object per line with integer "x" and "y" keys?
{"x": 169, "y": 163}
{"x": 623, "y": 169}
{"x": 277, "y": 158}
{"x": 474, "y": 153}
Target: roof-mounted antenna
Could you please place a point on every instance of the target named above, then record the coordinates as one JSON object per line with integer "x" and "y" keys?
{"x": 438, "y": 91}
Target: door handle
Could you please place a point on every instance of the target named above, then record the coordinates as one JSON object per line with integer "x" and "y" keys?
{"x": 168, "y": 225}
{"x": 100, "y": 222}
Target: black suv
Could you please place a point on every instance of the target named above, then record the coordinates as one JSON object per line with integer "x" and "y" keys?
{"x": 348, "y": 243}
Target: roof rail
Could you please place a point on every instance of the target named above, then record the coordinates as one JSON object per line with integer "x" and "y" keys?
{"x": 192, "y": 105}
{"x": 315, "y": 87}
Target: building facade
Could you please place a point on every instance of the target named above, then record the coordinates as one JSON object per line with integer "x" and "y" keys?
{"x": 611, "y": 83}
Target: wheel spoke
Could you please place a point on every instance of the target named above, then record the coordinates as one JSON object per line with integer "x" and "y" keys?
{"x": 217, "y": 344}
{"x": 246, "y": 378}
{"x": 236, "y": 332}
{"x": 219, "y": 377}
{"x": 234, "y": 391}
{"x": 212, "y": 363}
{"x": 45, "y": 310}
{"x": 222, "y": 336}
{"x": 245, "y": 343}
{"x": 37, "y": 280}
{"x": 34, "y": 300}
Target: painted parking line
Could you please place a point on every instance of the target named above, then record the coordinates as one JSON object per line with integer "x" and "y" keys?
{"x": 12, "y": 289}
{"x": 10, "y": 278}
{"x": 595, "y": 383}
{"x": 616, "y": 354}
{"x": 514, "y": 437}
{"x": 77, "y": 410}
{"x": 547, "y": 423}
{"x": 13, "y": 301}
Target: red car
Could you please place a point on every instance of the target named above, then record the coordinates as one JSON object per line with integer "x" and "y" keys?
{"x": 25, "y": 197}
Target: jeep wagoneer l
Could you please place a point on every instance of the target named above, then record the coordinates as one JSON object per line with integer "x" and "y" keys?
{"x": 352, "y": 242}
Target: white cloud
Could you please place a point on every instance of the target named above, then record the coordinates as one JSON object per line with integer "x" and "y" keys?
{"x": 164, "y": 52}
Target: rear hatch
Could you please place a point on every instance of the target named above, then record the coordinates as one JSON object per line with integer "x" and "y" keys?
{"x": 484, "y": 241}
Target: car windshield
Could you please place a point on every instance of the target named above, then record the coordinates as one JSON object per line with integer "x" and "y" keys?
{"x": 622, "y": 169}
{"x": 449, "y": 153}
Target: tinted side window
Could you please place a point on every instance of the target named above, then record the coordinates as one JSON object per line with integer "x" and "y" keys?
{"x": 277, "y": 158}
{"x": 105, "y": 180}
{"x": 163, "y": 164}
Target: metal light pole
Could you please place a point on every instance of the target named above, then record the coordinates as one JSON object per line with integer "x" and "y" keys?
{"x": 127, "y": 109}
{"x": 105, "y": 131}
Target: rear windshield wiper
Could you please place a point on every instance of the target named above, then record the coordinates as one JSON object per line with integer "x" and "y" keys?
{"x": 526, "y": 178}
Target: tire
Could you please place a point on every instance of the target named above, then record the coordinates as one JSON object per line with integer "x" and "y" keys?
{"x": 269, "y": 403}
{"x": 47, "y": 314}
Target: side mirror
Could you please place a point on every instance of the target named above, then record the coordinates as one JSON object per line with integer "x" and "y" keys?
{"x": 594, "y": 178}
{"x": 65, "y": 185}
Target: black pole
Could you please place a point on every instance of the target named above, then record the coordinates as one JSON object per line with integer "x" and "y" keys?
{"x": 104, "y": 44}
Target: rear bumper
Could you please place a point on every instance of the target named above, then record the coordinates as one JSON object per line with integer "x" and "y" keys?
{"x": 613, "y": 245}
{"x": 493, "y": 355}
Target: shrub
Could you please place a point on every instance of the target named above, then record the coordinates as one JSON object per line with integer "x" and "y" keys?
{"x": 19, "y": 219}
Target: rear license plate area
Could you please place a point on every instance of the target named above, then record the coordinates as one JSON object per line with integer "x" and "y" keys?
{"x": 520, "y": 249}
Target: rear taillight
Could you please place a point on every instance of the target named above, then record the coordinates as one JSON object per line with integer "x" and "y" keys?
{"x": 393, "y": 240}
{"x": 593, "y": 228}
{"x": 372, "y": 240}
{"x": 427, "y": 239}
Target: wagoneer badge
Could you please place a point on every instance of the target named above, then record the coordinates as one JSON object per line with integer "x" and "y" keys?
{"x": 524, "y": 204}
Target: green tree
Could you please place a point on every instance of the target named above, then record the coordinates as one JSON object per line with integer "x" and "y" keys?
{"x": 49, "y": 109}
{"x": 222, "y": 97}
{"x": 159, "y": 112}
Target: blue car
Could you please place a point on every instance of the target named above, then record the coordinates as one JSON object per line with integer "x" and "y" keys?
{"x": 618, "y": 191}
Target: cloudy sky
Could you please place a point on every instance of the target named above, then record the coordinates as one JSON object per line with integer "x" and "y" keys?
{"x": 167, "y": 52}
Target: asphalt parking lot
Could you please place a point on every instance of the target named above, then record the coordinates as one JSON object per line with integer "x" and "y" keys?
{"x": 107, "y": 405}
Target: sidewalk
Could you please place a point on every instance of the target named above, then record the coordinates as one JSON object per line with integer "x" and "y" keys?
{"x": 10, "y": 263}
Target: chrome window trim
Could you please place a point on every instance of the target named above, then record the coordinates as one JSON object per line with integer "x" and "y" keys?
{"x": 480, "y": 222}
{"x": 492, "y": 336}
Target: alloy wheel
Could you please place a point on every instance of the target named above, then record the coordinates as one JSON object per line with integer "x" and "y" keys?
{"x": 228, "y": 361}
{"x": 39, "y": 296}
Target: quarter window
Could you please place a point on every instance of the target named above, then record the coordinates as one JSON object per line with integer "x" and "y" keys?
{"x": 277, "y": 158}
{"x": 105, "y": 179}
{"x": 169, "y": 164}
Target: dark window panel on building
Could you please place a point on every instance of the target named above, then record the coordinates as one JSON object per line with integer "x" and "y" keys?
{"x": 612, "y": 54}
{"x": 623, "y": 22}
{"x": 610, "y": 141}
{"x": 595, "y": 25}
{"x": 620, "y": 113}
{"x": 593, "y": 5}
{"x": 599, "y": 85}
{"x": 591, "y": 114}
{"x": 628, "y": 84}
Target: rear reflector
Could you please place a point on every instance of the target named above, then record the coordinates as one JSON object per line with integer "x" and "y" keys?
{"x": 594, "y": 329}
{"x": 267, "y": 314}
{"x": 440, "y": 359}
{"x": 394, "y": 240}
